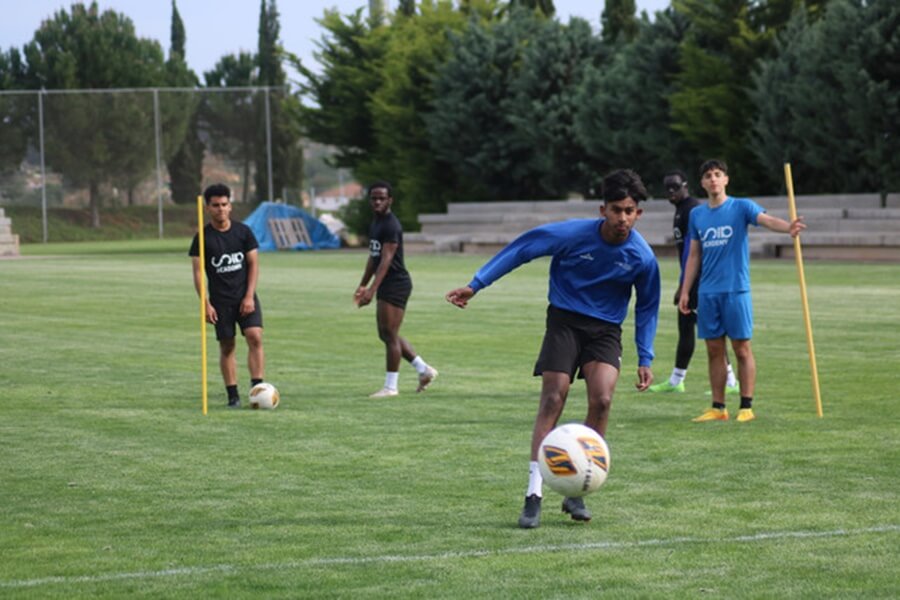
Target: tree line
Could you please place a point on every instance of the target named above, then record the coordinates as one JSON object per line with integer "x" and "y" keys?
{"x": 492, "y": 100}
{"x": 107, "y": 139}
{"x": 487, "y": 100}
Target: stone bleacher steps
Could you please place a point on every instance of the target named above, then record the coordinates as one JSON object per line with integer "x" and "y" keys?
{"x": 839, "y": 226}
{"x": 9, "y": 242}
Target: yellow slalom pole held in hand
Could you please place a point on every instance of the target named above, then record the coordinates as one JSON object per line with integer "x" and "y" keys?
{"x": 798, "y": 254}
{"x": 201, "y": 239}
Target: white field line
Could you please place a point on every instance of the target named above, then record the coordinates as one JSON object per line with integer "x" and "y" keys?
{"x": 399, "y": 558}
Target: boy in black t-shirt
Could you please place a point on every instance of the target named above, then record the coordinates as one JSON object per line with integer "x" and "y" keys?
{"x": 676, "y": 185}
{"x": 391, "y": 286}
{"x": 232, "y": 270}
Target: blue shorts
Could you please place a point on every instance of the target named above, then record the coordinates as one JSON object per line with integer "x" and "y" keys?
{"x": 728, "y": 314}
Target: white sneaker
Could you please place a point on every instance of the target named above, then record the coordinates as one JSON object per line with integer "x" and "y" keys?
{"x": 426, "y": 378}
{"x": 384, "y": 393}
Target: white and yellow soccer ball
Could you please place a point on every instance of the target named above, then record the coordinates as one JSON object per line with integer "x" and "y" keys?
{"x": 264, "y": 395}
{"x": 574, "y": 460}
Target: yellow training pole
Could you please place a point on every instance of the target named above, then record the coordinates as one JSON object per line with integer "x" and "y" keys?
{"x": 798, "y": 254}
{"x": 200, "y": 225}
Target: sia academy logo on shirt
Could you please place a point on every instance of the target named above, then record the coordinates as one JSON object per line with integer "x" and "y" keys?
{"x": 374, "y": 248}
{"x": 717, "y": 236}
{"x": 228, "y": 262}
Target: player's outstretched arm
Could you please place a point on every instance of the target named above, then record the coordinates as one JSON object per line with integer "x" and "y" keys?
{"x": 780, "y": 225}
{"x": 460, "y": 296}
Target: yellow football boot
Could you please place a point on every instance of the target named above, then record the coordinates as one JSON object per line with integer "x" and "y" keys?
{"x": 713, "y": 414}
{"x": 745, "y": 414}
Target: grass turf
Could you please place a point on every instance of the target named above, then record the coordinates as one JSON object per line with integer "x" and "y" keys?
{"x": 112, "y": 483}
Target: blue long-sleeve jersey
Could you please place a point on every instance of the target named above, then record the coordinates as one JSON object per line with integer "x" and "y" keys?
{"x": 588, "y": 275}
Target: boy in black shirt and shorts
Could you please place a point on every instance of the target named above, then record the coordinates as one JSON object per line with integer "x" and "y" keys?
{"x": 232, "y": 270}
{"x": 391, "y": 286}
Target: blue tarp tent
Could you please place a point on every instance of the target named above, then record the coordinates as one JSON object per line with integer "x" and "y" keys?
{"x": 258, "y": 221}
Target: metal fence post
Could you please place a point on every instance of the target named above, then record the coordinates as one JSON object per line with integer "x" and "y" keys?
{"x": 43, "y": 170}
{"x": 269, "y": 146}
{"x": 157, "y": 135}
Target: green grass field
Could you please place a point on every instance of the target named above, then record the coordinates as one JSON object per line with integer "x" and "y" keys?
{"x": 113, "y": 484}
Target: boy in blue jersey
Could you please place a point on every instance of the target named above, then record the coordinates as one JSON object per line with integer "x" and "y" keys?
{"x": 596, "y": 263}
{"x": 718, "y": 233}
{"x": 676, "y": 186}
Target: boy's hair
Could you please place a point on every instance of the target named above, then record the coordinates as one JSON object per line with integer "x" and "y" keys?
{"x": 713, "y": 163}
{"x": 676, "y": 173}
{"x": 216, "y": 190}
{"x": 381, "y": 184}
{"x": 621, "y": 184}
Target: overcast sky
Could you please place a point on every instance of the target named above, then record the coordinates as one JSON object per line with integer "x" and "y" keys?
{"x": 219, "y": 27}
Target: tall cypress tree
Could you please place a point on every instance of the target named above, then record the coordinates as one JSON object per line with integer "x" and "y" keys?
{"x": 406, "y": 8}
{"x": 618, "y": 20}
{"x": 186, "y": 163}
{"x": 287, "y": 155}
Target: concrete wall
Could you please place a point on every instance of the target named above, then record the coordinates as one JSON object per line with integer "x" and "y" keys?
{"x": 847, "y": 222}
{"x": 9, "y": 242}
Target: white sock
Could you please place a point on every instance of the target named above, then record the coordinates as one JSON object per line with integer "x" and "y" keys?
{"x": 677, "y": 376}
{"x": 390, "y": 380}
{"x": 420, "y": 365}
{"x": 535, "y": 481}
{"x": 732, "y": 382}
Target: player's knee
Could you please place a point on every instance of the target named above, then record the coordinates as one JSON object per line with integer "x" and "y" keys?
{"x": 388, "y": 336}
{"x": 600, "y": 402}
{"x": 254, "y": 338}
{"x": 553, "y": 401}
{"x": 743, "y": 352}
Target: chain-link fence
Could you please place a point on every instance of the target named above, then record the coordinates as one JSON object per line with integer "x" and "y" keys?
{"x": 97, "y": 152}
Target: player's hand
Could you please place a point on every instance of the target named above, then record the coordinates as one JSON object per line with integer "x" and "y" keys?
{"x": 362, "y": 296}
{"x": 684, "y": 304}
{"x": 645, "y": 378}
{"x": 248, "y": 306}
{"x": 797, "y": 225}
{"x": 211, "y": 315}
{"x": 460, "y": 296}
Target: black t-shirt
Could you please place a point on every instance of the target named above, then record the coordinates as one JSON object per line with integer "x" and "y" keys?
{"x": 680, "y": 231}
{"x": 387, "y": 230}
{"x": 226, "y": 260}
{"x": 680, "y": 224}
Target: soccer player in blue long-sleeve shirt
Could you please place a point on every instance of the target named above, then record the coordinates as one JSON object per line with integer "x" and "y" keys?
{"x": 595, "y": 264}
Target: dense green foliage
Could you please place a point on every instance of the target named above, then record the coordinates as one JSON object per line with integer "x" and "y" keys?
{"x": 624, "y": 105}
{"x": 829, "y": 99}
{"x": 97, "y": 138}
{"x": 508, "y": 116}
{"x": 618, "y": 21}
{"x": 185, "y": 166}
{"x": 287, "y": 152}
{"x": 115, "y": 486}
{"x": 488, "y": 99}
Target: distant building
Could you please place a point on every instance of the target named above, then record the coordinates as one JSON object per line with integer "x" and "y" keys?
{"x": 334, "y": 198}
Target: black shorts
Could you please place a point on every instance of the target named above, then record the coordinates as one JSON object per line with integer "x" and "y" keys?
{"x": 573, "y": 339}
{"x": 230, "y": 314}
{"x": 395, "y": 292}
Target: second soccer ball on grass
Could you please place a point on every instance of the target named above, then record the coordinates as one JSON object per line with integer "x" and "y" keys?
{"x": 574, "y": 460}
{"x": 264, "y": 395}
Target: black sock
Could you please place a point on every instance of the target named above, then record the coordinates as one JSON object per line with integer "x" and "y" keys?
{"x": 255, "y": 382}
{"x": 719, "y": 405}
{"x": 746, "y": 402}
{"x": 232, "y": 391}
